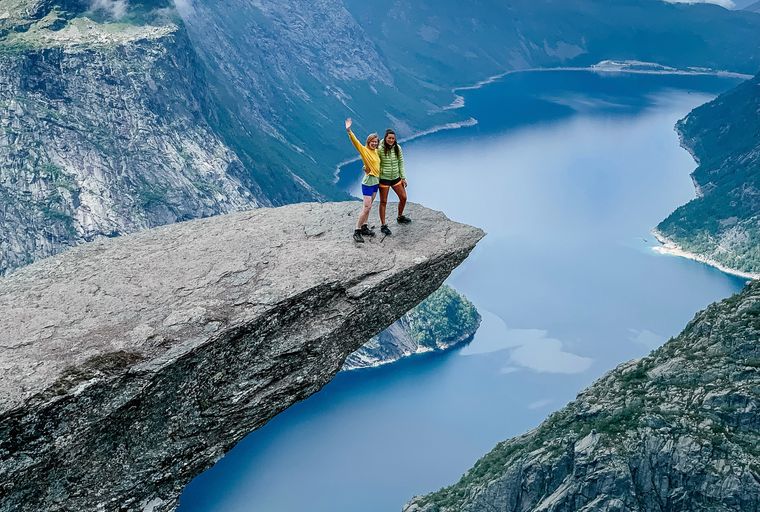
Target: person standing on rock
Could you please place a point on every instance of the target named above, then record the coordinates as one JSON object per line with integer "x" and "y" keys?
{"x": 392, "y": 177}
{"x": 371, "y": 179}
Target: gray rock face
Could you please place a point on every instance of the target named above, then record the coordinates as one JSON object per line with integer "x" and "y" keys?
{"x": 132, "y": 364}
{"x": 104, "y": 131}
{"x": 678, "y": 430}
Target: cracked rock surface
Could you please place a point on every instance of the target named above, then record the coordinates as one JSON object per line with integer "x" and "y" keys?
{"x": 132, "y": 364}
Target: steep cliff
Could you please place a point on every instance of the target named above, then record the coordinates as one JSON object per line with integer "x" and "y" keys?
{"x": 441, "y": 321}
{"x": 676, "y": 430}
{"x": 722, "y": 224}
{"x": 132, "y": 364}
{"x": 103, "y": 132}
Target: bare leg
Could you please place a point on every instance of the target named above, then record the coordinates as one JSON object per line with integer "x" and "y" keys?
{"x": 364, "y": 215}
{"x": 400, "y": 191}
{"x": 383, "y": 203}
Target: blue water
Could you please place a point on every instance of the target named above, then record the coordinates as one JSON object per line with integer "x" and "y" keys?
{"x": 567, "y": 172}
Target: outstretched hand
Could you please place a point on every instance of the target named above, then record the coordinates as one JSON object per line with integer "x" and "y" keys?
{"x": 348, "y": 124}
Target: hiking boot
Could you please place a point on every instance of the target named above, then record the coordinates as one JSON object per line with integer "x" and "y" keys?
{"x": 358, "y": 236}
{"x": 385, "y": 230}
{"x": 366, "y": 231}
{"x": 403, "y": 219}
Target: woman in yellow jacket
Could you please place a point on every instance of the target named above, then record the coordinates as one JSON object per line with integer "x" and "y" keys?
{"x": 371, "y": 181}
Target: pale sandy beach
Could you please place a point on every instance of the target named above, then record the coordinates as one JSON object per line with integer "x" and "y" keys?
{"x": 671, "y": 248}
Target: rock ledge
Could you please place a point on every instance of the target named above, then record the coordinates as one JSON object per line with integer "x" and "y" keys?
{"x": 131, "y": 365}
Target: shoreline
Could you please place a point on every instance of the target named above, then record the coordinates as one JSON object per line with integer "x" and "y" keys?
{"x": 420, "y": 351}
{"x": 670, "y": 248}
{"x": 603, "y": 67}
{"x": 600, "y": 68}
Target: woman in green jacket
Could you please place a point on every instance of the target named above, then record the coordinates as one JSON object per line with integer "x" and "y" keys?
{"x": 392, "y": 177}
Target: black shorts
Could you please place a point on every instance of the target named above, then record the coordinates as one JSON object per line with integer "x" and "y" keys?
{"x": 389, "y": 183}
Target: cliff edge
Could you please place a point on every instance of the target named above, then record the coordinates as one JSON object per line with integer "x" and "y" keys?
{"x": 130, "y": 365}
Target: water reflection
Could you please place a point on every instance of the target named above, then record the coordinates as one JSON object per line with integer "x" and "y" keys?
{"x": 528, "y": 348}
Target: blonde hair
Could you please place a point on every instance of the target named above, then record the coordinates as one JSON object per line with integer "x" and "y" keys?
{"x": 370, "y": 137}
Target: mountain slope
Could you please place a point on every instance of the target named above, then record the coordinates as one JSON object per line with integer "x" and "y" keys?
{"x": 676, "y": 430}
{"x": 723, "y": 223}
{"x": 294, "y": 70}
{"x": 441, "y": 43}
{"x": 440, "y": 322}
{"x": 104, "y": 132}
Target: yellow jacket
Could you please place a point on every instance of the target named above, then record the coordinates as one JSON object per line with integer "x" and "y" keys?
{"x": 370, "y": 158}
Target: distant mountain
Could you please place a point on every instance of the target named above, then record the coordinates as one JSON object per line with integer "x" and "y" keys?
{"x": 723, "y": 223}
{"x": 753, "y": 7}
{"x": 442, "y": 43}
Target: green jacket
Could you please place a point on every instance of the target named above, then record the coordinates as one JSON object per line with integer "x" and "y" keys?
{"x": 391, "y": 167}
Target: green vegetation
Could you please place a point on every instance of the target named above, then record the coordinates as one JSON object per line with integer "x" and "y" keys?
{"x": 71, "y": 24}
{"x": 148, "y": 196}
{"x": 58, "y": 177}
{"x": 444, "y": 317}
{"x": 724, "y": 223}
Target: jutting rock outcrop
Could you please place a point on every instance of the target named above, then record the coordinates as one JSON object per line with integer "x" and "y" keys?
{"x": 676, "y": 430}
{"x": 132, "y": 364}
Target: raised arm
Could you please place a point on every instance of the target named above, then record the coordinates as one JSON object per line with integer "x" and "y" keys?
{"x": 361, "y": 148}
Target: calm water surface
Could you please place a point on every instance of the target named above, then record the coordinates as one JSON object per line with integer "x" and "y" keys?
{"x": 567, "y": 172}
